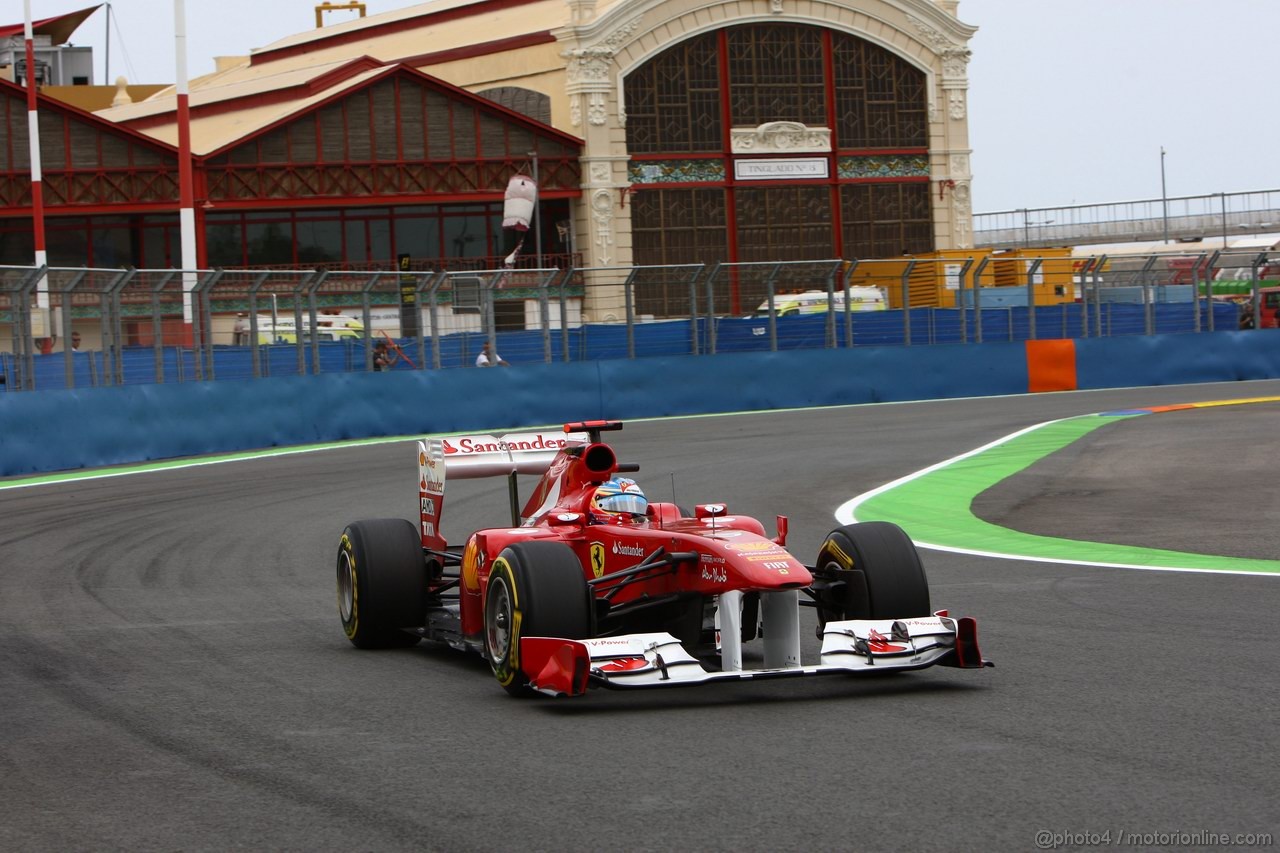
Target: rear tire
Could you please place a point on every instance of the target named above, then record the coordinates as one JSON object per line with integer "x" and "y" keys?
{"x": 382, "y": 582}
{"x": 535, "y": 589}
{"x": 881, "y": 571}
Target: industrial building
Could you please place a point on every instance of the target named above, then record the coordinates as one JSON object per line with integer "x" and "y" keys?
{"x": 662, "y": 132}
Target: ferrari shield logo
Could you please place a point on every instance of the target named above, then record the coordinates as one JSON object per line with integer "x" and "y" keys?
{"x": 597, "y": 559}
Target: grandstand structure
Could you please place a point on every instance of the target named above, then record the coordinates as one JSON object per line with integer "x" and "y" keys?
{"x": 1218, "y": 220}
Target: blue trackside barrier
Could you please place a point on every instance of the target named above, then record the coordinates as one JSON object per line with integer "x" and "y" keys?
{"x": 515, "y": 347}
{"x": 751, "y": 334}
{"x": 608, "y": 341}
{"x": 665, "y": 338}
{"x": 603, "y": 341}
{"x": 95, "y": 369}
{"x": 875, "y": 328}
{"x": 943, "y": 325}
{"x": 662, "y": 338}
{"x": 1177, "y": 359}
{"x": 1158, "y": 293}
{"x": 339, "y": 357}
{"x": 600, "y": 341}
{"x": 457, "y": 350}
{"x": 283, "y": 360}
{"x": 63, "y": 429}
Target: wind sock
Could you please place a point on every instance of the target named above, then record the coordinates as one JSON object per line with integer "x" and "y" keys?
{"x": 518, "y": 203}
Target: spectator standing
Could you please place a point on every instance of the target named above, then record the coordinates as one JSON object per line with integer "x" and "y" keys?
{"x": 75, "y": 342}
{"x": 489, "y": 358}
{"x": 1246, "y": 315}
{"x": 382, "y": 358}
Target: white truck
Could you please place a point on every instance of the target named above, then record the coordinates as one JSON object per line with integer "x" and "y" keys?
{"x": 861, "y": 298}
{"x": 283, "y": 330}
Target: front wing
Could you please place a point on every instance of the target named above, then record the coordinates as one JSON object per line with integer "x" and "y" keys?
{"x": 560, "y": 667}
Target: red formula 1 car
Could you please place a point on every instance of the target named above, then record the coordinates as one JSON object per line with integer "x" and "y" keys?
{"x": 584, "y": 591}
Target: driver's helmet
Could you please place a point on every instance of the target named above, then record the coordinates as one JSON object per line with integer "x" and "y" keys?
{"x": 620, "y": 496}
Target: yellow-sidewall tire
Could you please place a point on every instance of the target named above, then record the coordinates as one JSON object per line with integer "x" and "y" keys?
{"x": 896, "y": 585}
{"x": 535, "y": 589}
{"x": 381, "y": 580}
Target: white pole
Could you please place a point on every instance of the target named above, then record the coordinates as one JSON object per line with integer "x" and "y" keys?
{"x": 537, "y": 205}
{"x": 1164, "y": 196}
{"x": 186, "y": 183}
{"x": 37, "y": 181}
{"x": 106, "y": 62}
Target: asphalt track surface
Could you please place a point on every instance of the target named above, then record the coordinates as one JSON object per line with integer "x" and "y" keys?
{"x": 173, "y": 674}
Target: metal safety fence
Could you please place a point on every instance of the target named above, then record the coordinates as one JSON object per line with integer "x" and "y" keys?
{"x": 1200, "y": 217}
{"x": 80, "y": 328}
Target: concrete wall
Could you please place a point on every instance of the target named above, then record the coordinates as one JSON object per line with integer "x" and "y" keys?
{"x": 54, "y": 430}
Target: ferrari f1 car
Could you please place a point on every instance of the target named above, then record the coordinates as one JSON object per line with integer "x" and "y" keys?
{"x": 570, "y": 597}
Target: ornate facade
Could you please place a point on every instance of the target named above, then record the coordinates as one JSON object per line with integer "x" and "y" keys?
{"x": 775, "y": 128}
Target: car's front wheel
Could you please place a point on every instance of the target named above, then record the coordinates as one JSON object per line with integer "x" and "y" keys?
{"x": 871, "y": 570}
{"x": 535, "y": 589}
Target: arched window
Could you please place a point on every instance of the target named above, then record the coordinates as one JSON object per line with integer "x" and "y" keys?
{"x": 673, "y": 101}
{"x": 866, "y": 194}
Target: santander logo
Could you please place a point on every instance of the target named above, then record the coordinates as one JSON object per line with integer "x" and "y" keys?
{"x": 628, "y": 550}
{"x": 507, "y": 444}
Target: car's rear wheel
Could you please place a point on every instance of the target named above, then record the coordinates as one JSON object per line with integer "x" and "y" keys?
{"x": 381, "y": 583}
{"x": 535, "y": 589}
{"x": 873, "y": 571}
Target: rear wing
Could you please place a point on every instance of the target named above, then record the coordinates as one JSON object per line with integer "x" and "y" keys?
{"x": 471, "y": 456}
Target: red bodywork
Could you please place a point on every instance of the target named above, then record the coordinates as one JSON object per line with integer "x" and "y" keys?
{"x": 732, "y": 552}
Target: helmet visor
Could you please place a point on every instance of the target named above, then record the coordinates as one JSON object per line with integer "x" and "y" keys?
{"x": 625, "y": 502}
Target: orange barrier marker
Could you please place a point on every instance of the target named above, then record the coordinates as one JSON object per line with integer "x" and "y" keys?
{"x": 1051, "y": 365}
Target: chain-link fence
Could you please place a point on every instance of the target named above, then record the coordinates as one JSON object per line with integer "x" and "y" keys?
{"x": 79, "y": 328}
{"x": 256, "y": 323}
{"x": 17, "y": 289}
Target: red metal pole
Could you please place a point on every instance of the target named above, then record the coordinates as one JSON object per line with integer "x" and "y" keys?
{"x": 37, "y": 182}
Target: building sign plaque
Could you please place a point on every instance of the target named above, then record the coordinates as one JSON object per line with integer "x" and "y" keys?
{"x": 792, "y": 168}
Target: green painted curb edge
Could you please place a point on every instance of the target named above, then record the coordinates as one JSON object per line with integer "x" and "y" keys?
{"x": 935, "y": 506}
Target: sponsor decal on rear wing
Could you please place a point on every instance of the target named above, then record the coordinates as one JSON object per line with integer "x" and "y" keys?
{"x": 431, "y": 476}
{"x": 470, "y": 456}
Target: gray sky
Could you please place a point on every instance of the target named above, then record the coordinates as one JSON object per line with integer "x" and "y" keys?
{"x": 1070, "y": 101}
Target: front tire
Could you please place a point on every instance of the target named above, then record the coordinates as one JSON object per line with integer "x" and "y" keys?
{"x": 535, "y": 589}
{"x": 382, "y": 583}
{"x": 872, "y": 571}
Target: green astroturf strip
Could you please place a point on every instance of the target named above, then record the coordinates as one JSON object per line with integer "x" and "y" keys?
{"x": 936, "y": 508}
